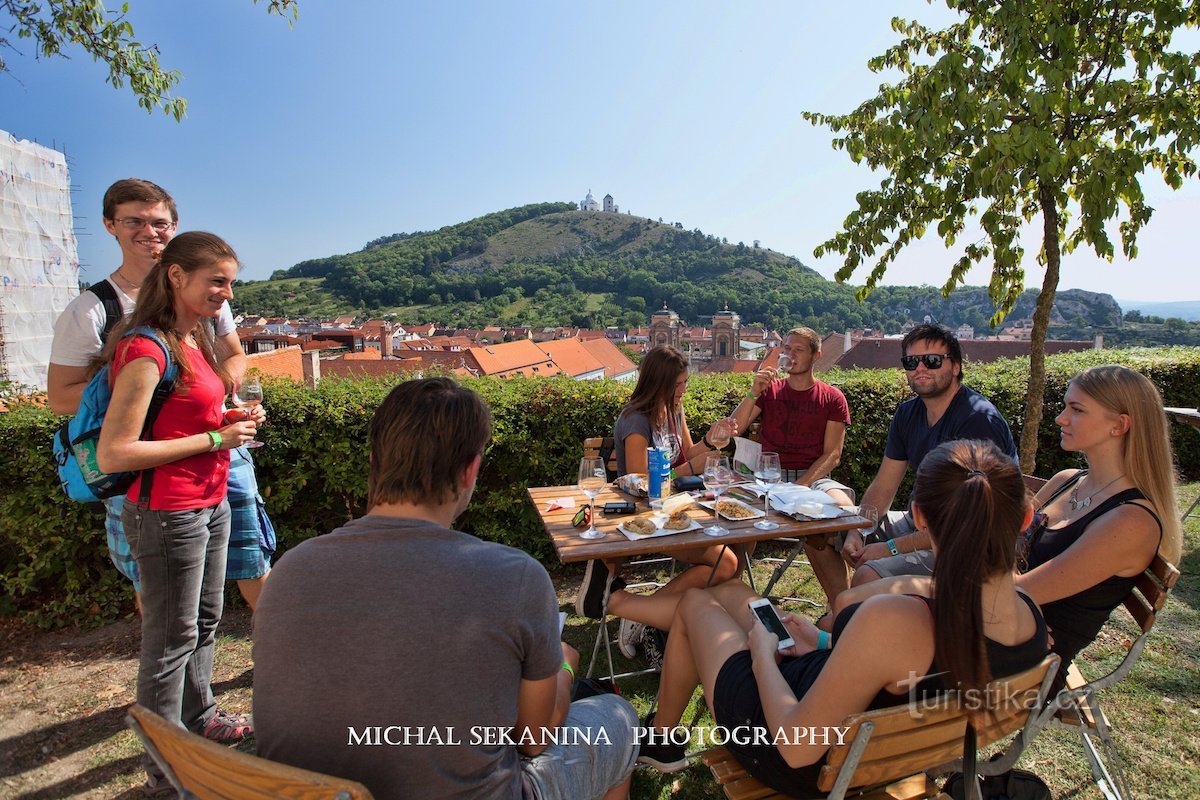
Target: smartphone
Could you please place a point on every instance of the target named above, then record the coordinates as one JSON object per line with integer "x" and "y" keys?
{"x": 623, "y": 507}
{"x": 765, "y": 612}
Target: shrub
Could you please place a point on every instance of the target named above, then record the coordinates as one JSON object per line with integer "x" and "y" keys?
{"x": 54, "y": 567}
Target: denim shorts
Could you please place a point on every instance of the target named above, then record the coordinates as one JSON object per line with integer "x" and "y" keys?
{"x": 590, "y": 764}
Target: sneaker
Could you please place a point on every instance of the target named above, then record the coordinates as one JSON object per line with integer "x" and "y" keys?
{"x": 590, "y": 600}
{"x": 658, "y": 750}
{"x": 628, "y": 637}
{"x": 654, "y": 645}
{"x": 225, "y": 727}
{"x": 158, "y": 786}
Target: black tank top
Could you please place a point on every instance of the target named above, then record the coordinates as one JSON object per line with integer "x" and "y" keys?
{"x": 1074, "y": 621}
{"x": 766, "y": 763}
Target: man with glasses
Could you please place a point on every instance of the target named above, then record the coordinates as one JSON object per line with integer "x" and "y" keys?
{"x": 142, "y": 217}
{"x": 943, "y": 410}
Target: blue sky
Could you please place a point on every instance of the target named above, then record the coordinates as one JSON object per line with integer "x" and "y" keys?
{"x": 372, "y": 117}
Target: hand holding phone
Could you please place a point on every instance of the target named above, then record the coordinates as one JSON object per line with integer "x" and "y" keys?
{"x": 765, "y": 612}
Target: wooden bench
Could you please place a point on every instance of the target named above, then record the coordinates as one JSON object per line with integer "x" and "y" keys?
{"x": 886, "y": 753}
{"x": 201, "y": 769}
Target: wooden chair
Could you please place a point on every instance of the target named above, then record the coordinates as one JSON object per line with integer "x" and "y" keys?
{"x": 602, "y": 447}
{"x": 201, "y": 769}
{"x": 887, "y": 753}
{"x": 1077, "y": 706}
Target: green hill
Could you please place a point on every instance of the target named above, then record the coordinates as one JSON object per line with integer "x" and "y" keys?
{"x": 550, "y": 264}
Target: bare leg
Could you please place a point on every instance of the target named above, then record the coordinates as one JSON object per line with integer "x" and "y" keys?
{"x": 251, "y": 588}
{"x": 830, "y": 569}
{"x": 620, "y": 791}
{"x": 702, "y": 639}
{"x": 864, "y": 574}
{"x": 658, "y": 609}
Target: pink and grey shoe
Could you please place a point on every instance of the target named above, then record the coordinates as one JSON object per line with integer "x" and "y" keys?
{"x": 225, "y": 727}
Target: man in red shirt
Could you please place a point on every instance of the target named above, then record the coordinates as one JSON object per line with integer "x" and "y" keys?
{"x": 803, "y": 420}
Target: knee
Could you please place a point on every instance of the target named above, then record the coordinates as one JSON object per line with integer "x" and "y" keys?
{"x": 864, "y": 574}
{"x": 691, "y": 600}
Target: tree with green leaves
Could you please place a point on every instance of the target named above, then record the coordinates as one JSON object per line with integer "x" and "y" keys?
{"x": 1022, "y": 108}
{"x": 55, "y": 26}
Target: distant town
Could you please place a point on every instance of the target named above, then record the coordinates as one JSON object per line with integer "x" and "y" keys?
{"x": 308, "y": 350}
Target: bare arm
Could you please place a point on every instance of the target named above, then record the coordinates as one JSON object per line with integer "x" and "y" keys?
{"x": 879, "y": 495}
{"x": 635, "y": 454}
{"x": 747, "y": 411}
{"x": 120, "y": 448}
{"x": 831, "y": 455}
{"x": 901, "y": 584}
{"x": 229, "y": 349}
{"x": 543, "y": 705}
{"x": 898, "y": 626}
{"x": 1121, "y": 542}
{"x": 64, "y": 387}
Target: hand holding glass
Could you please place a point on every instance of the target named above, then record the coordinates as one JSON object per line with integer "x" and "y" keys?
{"x": 247, "y": 395}
{"x": 592, "y": 479}
{"x": 717, "y": 478}
{"x": 769, "y": 473}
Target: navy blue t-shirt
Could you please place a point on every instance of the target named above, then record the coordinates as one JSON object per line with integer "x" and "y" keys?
{"x": 970, "y": 415}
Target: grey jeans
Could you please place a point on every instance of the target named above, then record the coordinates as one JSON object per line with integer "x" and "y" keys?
{"x": 181, "y": 558}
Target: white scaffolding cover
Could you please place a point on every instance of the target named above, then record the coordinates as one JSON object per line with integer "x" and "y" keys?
{"x": 39, "y": 264}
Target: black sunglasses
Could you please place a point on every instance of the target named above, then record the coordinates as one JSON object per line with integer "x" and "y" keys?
{"x": 931, "y": 361}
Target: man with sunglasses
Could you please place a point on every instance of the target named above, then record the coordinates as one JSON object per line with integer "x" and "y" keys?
{"x": 943, "y": 410}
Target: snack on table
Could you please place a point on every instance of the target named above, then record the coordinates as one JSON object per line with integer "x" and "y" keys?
{"x": 678, "y": 521}
{"x": 641, "y": 526}
{"x": 732, "y": 510}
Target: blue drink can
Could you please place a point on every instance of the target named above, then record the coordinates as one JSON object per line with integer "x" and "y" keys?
{"x": 654, "y": 468}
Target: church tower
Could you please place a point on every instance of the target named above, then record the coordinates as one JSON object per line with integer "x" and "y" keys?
{"x": 664, "y": 328}
{"x": 726, "y": 334}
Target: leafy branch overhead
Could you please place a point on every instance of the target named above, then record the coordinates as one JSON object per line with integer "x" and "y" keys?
{"x": 1020, "y": 107}
{"x": 54, "y": 26}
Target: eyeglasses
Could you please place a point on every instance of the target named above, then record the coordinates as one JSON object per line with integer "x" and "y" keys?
{"x": 930, "y": 360}
{"x": 137, "y": 223}
{"x": 1027, "y": 539}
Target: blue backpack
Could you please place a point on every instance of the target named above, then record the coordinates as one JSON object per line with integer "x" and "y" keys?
{"x": 75, "y": 443}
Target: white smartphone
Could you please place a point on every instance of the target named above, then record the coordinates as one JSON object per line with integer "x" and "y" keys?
{"x": 765, "y": 612}
{"x": 562, "y": 621}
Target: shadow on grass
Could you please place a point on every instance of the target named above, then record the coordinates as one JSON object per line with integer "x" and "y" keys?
{"x": 96, "y": 776}
{"x": 33, "y": 749}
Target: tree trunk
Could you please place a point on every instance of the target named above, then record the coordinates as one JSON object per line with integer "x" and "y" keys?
{"x": 1041, "y": 321}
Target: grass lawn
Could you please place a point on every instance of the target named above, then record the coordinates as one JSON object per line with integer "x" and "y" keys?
{"x": 63, "y": 697}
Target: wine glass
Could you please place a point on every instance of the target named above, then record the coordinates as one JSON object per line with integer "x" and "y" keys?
{"x": 592, "y": 479}
{"x": 769, "y": 473}
{"x": 784, "y": 366}
{"x": 247, "y": 395}
{"x": 721, "y": 433}
{"x": 717, "y": 478}
{"x": 871, "y": 514}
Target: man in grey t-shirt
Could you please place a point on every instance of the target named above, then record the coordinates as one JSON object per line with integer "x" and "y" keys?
{"x": 422, "y": 661}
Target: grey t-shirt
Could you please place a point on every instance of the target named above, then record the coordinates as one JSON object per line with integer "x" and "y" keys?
{"x": 399, "y": 629}
{"x": 627, "y": 424}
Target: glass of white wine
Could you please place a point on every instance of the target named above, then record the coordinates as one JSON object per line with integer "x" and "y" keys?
{"x": 721, "y": 433}
{"x": 247, "y": 395}
{"x": 718, "y": 477}
{"x": 592, "y": 479}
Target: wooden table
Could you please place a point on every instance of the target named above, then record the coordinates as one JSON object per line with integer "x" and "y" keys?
{"x": 571, "y": 548}
{"x": 1191, "y": 418}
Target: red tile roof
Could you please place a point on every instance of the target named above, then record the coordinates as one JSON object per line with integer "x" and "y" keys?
{"x": 615, "y": 362}
{"x": 520, "y": 357}
{"x": 885, "y": 353}
{"x": 570, "y": 356}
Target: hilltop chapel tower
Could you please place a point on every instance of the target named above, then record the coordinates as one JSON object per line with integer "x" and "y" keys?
{"x": 664, "y": 328}
{"x": 726, "y": 334}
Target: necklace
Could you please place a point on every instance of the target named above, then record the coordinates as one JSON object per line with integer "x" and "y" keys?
{"x": 1077, "y": 504}
{"x": 128, "y": 282}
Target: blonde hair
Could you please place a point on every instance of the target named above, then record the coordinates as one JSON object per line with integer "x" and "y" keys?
{"x": 1149, "y": 459}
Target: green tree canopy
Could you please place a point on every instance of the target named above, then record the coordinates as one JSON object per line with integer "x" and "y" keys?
{"x": 1054, "y": 108}
{"x": 108, "y": 37}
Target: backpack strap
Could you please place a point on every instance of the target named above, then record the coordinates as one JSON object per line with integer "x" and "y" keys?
{"x": 113, "y": 312}
{"x": 162, "y": 391}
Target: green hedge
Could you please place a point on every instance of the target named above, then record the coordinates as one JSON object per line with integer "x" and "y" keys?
{"x": 54, "y": 566}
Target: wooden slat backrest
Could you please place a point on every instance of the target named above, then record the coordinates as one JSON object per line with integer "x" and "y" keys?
{"x": 916, "y": 737}
{"x": 597, "y": 446}
{"x": 1149, "y": 592}
{"x": 210, "y": 771}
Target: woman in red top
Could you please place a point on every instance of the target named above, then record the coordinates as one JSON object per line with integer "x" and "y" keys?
{"x": 179, "y": 537}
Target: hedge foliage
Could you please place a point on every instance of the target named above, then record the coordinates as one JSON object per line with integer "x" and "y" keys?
{"x": 54, "y": 567}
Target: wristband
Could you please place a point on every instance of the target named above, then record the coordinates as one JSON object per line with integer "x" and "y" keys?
{"x": 750, "y": 396}
{"x": 567, "y": 667}
{"x": 891, "y": 543}
{"x": 822, "y": 640}
{"x": 217, "y": 441}
{"x": 707, "y": 443}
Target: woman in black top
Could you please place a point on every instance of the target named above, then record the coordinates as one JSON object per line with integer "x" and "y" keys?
{"x": 971, "y": 498}
{"x": 1101, "y": 525}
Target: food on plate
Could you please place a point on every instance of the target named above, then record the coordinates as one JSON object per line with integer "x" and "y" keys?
{"x": 641, "y": 526}
{"x": 678, "y": 521}
{"x": 733, "y": 510}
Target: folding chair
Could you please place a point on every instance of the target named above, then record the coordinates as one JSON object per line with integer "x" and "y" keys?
{"x": 887, "y": 754}
{"x": 205, "y": 770}
{"x": 1077, "y": 707}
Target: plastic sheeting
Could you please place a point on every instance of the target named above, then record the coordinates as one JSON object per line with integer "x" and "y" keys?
{"x": 39, "y": 263}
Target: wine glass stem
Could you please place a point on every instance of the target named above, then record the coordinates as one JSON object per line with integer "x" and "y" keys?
{"x": 767, "y": 502}
{"x": 591, "y": 514}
